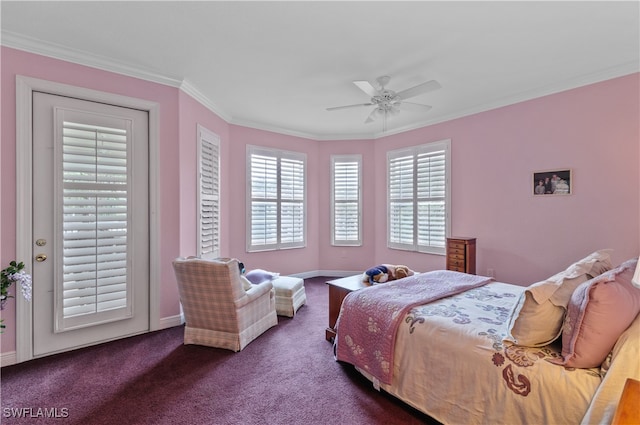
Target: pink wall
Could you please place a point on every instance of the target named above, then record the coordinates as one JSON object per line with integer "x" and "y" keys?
{"x": 193, "y": 113}
{"x": 15, "y": 62}
{"x": 351, "y": 258}
{"x": 287, "y": 261}
{"x": 593, "y": 130}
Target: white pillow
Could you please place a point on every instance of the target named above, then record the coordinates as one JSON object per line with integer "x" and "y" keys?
{"x": 537, "y": 317}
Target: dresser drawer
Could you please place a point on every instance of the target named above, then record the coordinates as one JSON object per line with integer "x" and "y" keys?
{"x": 456, "y": 262}
{"x": 461, "y": 255}
{"x": 455, "y": 257}
{"x": 456, "y": 246}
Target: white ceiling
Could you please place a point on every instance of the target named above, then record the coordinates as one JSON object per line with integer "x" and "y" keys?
{"x": 279, "y": 65}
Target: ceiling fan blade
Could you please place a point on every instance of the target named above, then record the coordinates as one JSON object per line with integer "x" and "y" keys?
{"x": 372, "y": 116}
{"x": 418, "y": 104}
{"x": 419, "y": 89}
{"x": 335, "y": 108}
{"x": 366, "y": 87}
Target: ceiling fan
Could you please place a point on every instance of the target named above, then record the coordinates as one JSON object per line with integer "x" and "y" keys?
{"x": 387, "y": 102}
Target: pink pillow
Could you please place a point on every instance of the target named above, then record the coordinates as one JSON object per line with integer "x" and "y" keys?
{"x": 600, "y": 310}
{"x": 536, "y": 319}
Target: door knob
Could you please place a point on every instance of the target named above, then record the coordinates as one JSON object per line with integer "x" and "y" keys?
{"x": 41, "y": 257}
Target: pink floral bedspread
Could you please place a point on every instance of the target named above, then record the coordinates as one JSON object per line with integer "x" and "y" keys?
{"x": 381, "y": 308}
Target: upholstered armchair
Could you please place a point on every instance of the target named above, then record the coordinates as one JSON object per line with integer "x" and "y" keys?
{"x": 220, "y": 311}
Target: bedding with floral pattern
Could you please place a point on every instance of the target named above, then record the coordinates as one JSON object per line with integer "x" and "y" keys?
{"x": 453, "y": 363}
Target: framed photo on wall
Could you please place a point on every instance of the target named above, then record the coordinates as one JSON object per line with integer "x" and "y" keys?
{"x": 552, "y": 182}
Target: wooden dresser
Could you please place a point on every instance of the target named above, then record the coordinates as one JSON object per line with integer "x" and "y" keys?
{"x": 461, "y": 255}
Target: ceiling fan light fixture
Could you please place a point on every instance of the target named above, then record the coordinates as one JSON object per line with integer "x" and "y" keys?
{"x": 388, "y": 102}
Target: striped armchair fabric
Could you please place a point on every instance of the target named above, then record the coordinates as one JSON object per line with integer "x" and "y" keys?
{"x": 218, "y": 311}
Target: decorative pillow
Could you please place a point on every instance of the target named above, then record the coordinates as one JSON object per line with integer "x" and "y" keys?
{"x": 600, "y": 310}
{"x": 258, "y": 276}
{"x": 537, "y": 317}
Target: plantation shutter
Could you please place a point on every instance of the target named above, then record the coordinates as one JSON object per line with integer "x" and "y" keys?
{"x": 292, "y": 202}
{"x": 264, "y": 205}
{"x": 419, "y": 197}
{"x": 95, "y": 209}
{"x": 209, "y": 194}
{"x": 401, "y": 202}
{"x": 431, "y": 186}
{"x": 346, "y": 200}
{"x": 277, "y": 202}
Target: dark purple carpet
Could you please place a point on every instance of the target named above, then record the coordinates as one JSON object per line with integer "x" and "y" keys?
{"x": 286, "y": 376}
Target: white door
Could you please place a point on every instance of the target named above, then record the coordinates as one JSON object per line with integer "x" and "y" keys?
{"x": 90, "y": 223}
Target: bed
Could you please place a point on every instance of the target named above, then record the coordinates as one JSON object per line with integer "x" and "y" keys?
{"x": 459, "y": 356}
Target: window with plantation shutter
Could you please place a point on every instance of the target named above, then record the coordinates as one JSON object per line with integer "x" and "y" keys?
{"x": 277, "y": 201}
{"x": 208, "y": 194}
{"x": 418, "y": 197}
{"x": 95, "y": 189}
{"x": 346, "y": 200}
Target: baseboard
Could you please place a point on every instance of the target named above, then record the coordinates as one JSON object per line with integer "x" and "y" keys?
{"x": 8, "y": 358}
{"x": 171, "y": 321}
{"x": 327, "y": 273}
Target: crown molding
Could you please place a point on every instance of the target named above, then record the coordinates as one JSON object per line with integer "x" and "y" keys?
{"x": 273, "y": 129}
{"x": 565, "y": 85}
{"x": 44, "y": 48}
{"x": 558, "y": 87}
{"x": 190, "y": 89}
{"x": 56, "y": 51}
{"x": 289, "y": 132}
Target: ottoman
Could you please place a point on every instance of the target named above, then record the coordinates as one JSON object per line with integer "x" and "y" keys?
{"x": 290, "y": 295}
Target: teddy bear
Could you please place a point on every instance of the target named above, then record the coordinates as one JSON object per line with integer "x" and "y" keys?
{"x": 401, "y": 271}
{"x": 375, "y": 275}
{"x": 394, "y": 272}
{"x": 386, "y": 273}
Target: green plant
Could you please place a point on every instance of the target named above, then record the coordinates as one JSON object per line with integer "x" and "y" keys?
{"x": 8, "y": 276}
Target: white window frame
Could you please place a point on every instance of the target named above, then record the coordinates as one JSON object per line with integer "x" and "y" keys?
{"x": 413, "y": 200}
{"x": 335, "y": 161}
{"x": 208, "y": 193}
{"x": 279, "y": 156}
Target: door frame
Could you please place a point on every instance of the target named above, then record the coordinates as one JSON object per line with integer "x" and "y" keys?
{"x": 25, "y": 86}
